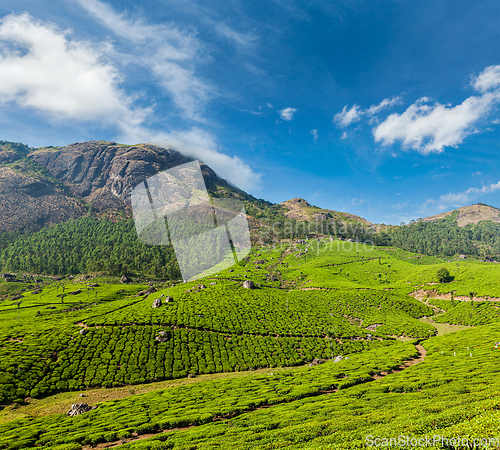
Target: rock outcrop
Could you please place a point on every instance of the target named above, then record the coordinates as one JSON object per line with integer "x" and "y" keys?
{"x": 249, "y": 284}
{"x": 79, "y": 408}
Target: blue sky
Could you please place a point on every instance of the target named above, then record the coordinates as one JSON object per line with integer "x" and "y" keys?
{"x": 386, "y": 109}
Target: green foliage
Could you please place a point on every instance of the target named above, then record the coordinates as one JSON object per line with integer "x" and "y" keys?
{"x": 443, "y": 275}
{"x": 447, "y": 238}
{"x": 200, "y": 403}
{"x": 88, "y": 245}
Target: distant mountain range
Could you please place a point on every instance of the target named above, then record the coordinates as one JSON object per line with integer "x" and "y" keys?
{"x": 49, "y": 185}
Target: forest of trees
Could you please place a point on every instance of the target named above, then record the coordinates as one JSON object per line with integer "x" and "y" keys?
{"x": 443, "y": 238}
{"x": 87, "y": 245}
{"x": 90, "y": 244}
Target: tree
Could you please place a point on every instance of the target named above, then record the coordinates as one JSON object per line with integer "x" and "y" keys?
{"x": 443, "y": 275}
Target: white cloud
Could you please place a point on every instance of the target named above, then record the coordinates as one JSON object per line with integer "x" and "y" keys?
{"x": 287, "y": 113}
{"x": 40, "y": 68}
{"x": 461, "y": 198}
{"x": 430, "y": 128}
{"x": 201, "y": 145}
{"x": 401, "y": 205}
{"x": 357, "y": 201}
{"x": 346, "y": 117}
{"x": 386, "y": 103}
{"x": 169, "y": 53}
{"x": 314, "y": 134}
{"x": 242, "y": 39}
{"x": 488, "y": 79}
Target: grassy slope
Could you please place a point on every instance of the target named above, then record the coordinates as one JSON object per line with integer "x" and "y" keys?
{"x": 347, "y": 286}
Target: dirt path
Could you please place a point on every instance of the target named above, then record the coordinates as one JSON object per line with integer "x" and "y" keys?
{"x": 135, "y": 437}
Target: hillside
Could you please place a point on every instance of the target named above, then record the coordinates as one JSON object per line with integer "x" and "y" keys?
{"x": 47, "y": 186}
{"x": 147, "y": 369}
{"x": 466, "y": 215}
{"x": 299, "y": 209}
{"x": 50, "y": 185}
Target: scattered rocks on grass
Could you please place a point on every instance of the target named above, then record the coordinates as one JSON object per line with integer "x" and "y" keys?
{"x": 316, "y": 362}
{"x": 157, "y": 302}
{"x": 249, "y": 284}
{"x": 148, "y": 291}
{"x": 79, "y": 408}
{"x": 162, "y": 336}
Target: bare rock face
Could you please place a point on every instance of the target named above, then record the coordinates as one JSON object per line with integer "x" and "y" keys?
{"x": 104, "y": 173}
{"x": 30, "y": 202}
{"x": 100, "y": 173}
{"x": 79, "y": 408}
{"x": 249, "y": 284}
{"x": 8, "y": 156}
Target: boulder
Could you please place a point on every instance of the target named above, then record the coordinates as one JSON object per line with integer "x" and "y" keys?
{"x": 157, "y": 303}
{"x": 316, "y": 362}
{"x": 84, "y": 331}
{"x": 94, "y": 285}
{"x": 169, "y": 299}
{"x": 124, "y": 279}
{"x": 79, "y": 408}
{"x": 248, "y": 284}
{"x": 338, "y": 358}
{"x": 213, "y": 284}
{"x": 148, "y": 291}
{"x": 79, "y": 291}
{"x": 162, "y": 336}
{"x": 201, "y": 286}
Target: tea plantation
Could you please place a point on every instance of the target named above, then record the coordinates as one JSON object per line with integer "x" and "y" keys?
{"x": 313, "y": 300}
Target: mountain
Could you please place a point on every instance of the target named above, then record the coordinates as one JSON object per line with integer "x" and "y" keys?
{"x": 50, "y": 185}
{"x": 468, "y": 214}
{"x": 300, "y": 210}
